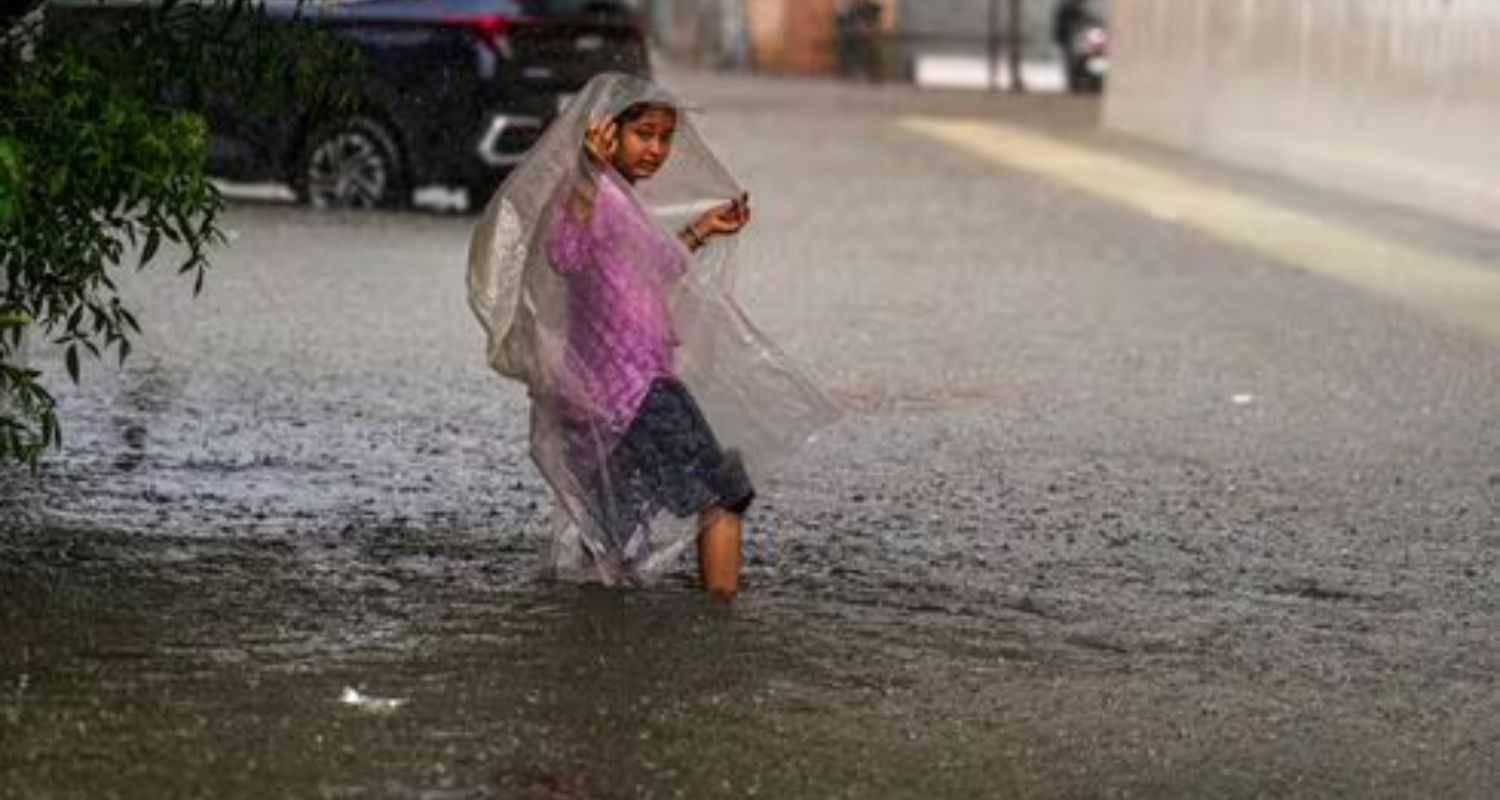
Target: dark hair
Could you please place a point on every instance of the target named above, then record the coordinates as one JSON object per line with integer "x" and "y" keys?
{"x": 635, "y": 111}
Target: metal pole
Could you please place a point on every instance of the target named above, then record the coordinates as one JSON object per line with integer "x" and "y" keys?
{"x": 993, "y": 43}
{"x": 1017, "y": 39}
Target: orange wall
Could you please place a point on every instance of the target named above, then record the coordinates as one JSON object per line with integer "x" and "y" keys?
{"x": 792, "y": 35}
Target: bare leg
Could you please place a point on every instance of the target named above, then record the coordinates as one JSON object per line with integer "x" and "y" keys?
{"x": 719, "y": 551}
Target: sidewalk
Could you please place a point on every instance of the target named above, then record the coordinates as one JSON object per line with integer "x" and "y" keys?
{"x": 1077, "y": 120}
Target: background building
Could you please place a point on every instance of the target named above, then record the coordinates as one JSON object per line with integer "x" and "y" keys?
{"x": 938, "y": 41}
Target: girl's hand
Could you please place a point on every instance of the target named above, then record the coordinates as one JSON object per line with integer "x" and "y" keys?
{"x": 600, "y": 142}
{"x": 726, "y": 219}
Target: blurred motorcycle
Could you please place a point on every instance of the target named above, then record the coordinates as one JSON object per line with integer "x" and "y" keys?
{"x": 1087, "y": 57}
{"x": 856, "y": 26}
{"x": 1079, "y": 29}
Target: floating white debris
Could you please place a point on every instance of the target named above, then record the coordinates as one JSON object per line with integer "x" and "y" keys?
{"x": 352, "y": 697}
{"x": 1243, "y": 399}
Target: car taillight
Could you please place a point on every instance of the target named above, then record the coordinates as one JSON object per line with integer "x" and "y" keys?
{"x": 492, "y": 29}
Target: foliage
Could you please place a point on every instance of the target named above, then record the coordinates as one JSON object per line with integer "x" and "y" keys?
{"x": 103, "y": 148}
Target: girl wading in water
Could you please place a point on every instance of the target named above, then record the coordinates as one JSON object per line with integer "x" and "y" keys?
{"x": 602, "y": 271}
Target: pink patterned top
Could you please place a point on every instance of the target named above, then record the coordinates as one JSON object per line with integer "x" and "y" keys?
{"x": 619, "y": 268}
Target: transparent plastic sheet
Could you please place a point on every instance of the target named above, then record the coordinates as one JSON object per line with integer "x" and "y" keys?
{"x": 531, "y": 293}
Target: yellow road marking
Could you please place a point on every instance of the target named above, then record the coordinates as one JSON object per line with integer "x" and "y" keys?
{"x": 1452, "y": 288}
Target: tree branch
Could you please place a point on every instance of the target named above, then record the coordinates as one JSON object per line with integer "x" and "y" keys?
{"x": 13, "y": 10}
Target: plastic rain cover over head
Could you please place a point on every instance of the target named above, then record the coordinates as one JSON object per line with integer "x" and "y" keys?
{"x": 586, "y": 292}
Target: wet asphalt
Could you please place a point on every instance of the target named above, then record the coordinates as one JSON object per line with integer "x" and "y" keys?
{"x": 1116, "y": 511}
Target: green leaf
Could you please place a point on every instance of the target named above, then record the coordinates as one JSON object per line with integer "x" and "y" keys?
{"x": 10, "y": 182}
{"x": 58, "y": 182}
{"x": 153, "y": 241}
{"x": 72, "y": 362}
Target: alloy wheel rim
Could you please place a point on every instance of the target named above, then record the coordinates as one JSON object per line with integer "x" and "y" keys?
{"x": 348, "y": 170}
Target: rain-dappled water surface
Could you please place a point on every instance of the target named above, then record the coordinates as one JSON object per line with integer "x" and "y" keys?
{"x": 1116, "y": 512}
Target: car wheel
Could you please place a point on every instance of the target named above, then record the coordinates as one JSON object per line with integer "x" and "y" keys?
{"x": 352, "y": 165}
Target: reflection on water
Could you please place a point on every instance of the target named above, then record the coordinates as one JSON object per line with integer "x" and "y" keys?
{"x": 881, "y": 649}
{"x": 219, "y": 667}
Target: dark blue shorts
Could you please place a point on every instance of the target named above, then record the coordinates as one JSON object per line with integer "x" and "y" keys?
{"x": 668, "y": 460}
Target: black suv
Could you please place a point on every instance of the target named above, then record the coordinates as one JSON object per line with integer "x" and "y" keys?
{"x": 453, "y": 92}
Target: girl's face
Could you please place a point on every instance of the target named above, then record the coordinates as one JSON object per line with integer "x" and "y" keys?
{"x": 645, "y": 143}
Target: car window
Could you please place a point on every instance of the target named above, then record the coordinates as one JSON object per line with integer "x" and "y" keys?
{"x": 550, "y": 8}
{"x": 421, "y": 8}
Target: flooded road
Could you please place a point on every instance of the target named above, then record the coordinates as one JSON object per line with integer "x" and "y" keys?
{"x": 1117, "y": 511}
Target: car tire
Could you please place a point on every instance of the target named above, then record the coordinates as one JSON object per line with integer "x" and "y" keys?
{"x": 354, "y": 164}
